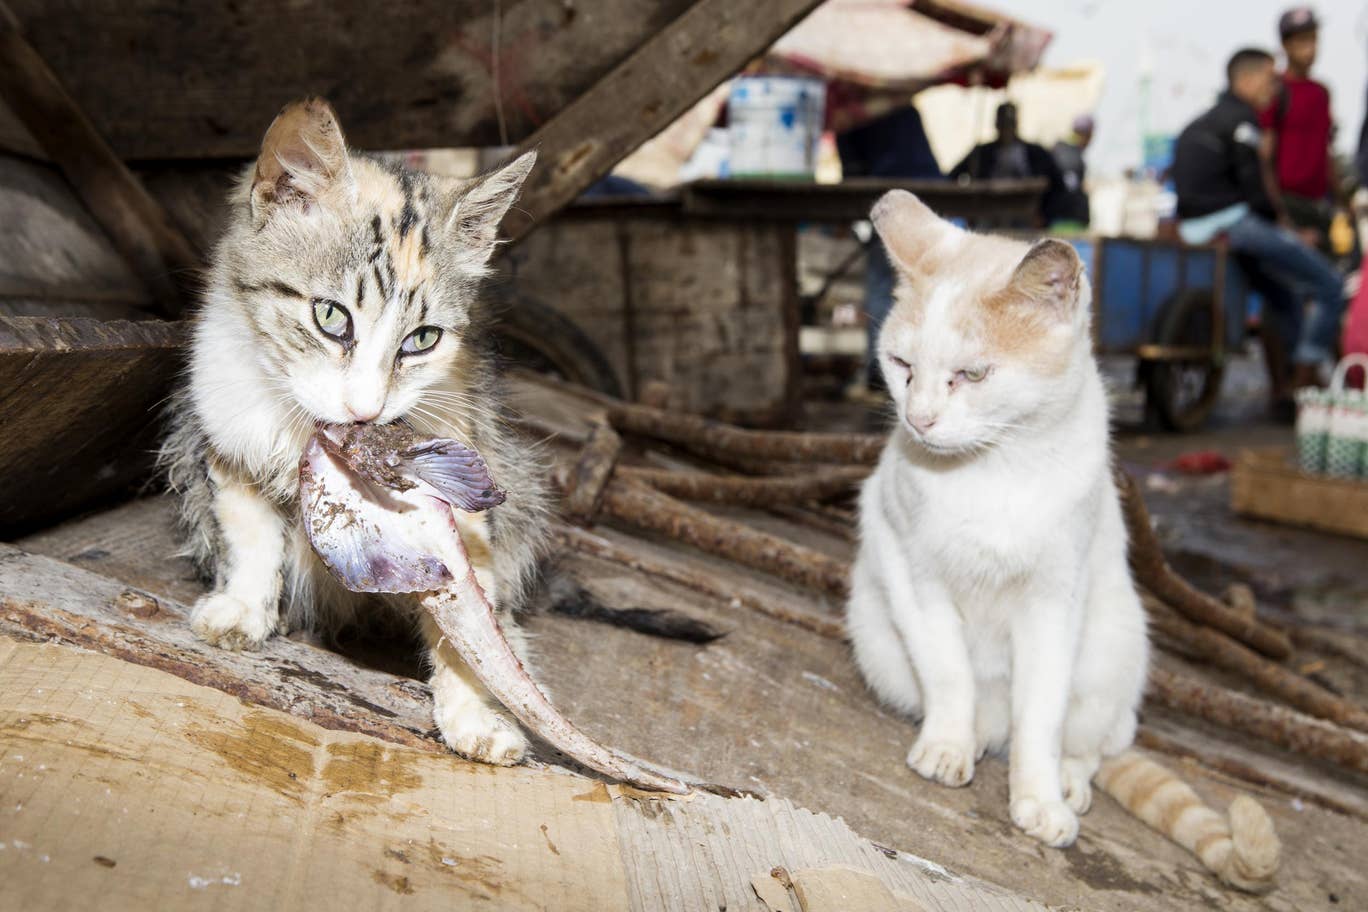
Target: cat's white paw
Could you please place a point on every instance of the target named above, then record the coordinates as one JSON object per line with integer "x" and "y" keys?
{"x": 947, "y": 762}
{"x": 226, "y": 621}
{"x": 1075, "y": 776}
{"x": 1052, "y": 822}
{"x": 480, "y": 733}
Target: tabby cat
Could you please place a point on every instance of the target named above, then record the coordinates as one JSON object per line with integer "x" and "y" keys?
{"x": 345, "y": 290}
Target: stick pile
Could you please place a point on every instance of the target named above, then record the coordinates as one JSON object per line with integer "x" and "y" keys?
{"x": 800, "y": 471}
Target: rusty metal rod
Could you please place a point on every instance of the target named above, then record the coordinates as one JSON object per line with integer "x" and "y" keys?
{"x": 1287, "y": 728}
{"x": 1276, "y": 680}
{"x": 712, "y": 439}
{"x": 635, "y": 503}
{"x": 746, "y": 490}
{"x": 589, "y": 478}
{"x": 1152, "y": 571}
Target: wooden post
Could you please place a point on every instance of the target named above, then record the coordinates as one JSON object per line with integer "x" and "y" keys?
{"x": 641, "y": 96}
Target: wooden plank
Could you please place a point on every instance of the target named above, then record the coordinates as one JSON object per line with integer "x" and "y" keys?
{"x": 136, "y": 225}
{"x": 162, "y": 79}
{"x": 641, "y": 96}
{"x": 77, "y": 404}
{"x": 195, "y": 798}
{"x": 185, "y": 798}
{"x": 54, "y": 259}
{"x": 784, "y": 712}
{"x": 44, "y": 598}
{"x": 711, "y": 307}
{"x": 989, "y": 202}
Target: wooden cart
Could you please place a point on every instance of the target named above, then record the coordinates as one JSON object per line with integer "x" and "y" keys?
{"x": 1180, "y": 309}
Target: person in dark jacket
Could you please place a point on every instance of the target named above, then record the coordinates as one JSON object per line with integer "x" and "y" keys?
{"x": 894, "y": 145}
{"x": 1068, "y": 155}
{"x": 1219, "y": 180}
{"x": 1361, "y": 154}
{"x": 1010, "y": 157}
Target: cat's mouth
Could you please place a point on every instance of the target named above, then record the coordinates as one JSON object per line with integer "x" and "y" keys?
{"x": 941, "y": 449}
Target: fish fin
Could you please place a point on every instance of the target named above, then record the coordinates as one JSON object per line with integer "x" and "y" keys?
{"x": 456, "y": 472}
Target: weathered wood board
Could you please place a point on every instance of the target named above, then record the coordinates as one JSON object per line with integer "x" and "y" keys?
{"x": 54, "y": 258}
{"x": 132, "y": 221}
{"x": 166, "y": 80}
{"x": 706, "y": 307}
{"x": 129, "y": 788}
{"x": 779, "y": 710}
{"x": 78, "y": 401}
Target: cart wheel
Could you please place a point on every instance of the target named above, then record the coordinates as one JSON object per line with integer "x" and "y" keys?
{"x": 1183, "y": 393}
{"x": 538, "y": 336}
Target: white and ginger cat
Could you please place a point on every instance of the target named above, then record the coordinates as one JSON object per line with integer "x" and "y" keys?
{"x": 345, "y": 290}
{"x": 991, "y": 595}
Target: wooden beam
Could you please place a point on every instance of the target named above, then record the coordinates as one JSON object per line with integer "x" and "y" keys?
{"x": 137, "y": 226}
{"x": 641, "y": 96}
{"x": 163, "y": 79}
{"x": 53, "y": 600}
{"x": 78, "y": 404}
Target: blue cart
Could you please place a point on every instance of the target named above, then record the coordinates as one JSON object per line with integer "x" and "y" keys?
{"x": 1180, "y": 309}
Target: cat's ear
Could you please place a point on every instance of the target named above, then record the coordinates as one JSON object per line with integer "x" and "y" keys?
{"x": 1050, "y": 274}
{"x": 910, "y": 231}
{"x": 303, "y": 158}
{"x": 481, "y": 204}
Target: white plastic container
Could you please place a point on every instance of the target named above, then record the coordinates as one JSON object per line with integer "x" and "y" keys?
{"x": 775, "y": 124}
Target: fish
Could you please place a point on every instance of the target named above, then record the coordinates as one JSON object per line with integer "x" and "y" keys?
{"x": 378, "y": 506}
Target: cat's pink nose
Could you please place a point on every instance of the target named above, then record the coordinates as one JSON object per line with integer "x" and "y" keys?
{"x": 923, "y": 423}
{"x": 363, "y": 413}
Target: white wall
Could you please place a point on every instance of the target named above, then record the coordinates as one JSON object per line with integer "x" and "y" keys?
{"x": 1188, "y": 43}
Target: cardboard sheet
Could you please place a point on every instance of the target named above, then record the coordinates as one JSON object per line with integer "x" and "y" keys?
{"x": 124, "y": 787}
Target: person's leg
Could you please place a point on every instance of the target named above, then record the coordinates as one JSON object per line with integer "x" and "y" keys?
{"x": 1297, "y": 266}
{"x": 1280, "y": 326}
{"x": 878, "y": 302}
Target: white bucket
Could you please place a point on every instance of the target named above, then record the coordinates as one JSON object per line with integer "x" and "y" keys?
{"x": 775, "y": 124}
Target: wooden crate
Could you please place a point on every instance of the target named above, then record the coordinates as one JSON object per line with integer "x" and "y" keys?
{"x": 1267, "y": 484}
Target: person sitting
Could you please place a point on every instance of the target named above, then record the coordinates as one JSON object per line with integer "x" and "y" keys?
{"x": 1218, "y": 178}
{"x": 1068, "y": 155}
{"x": 1009, "y": 157}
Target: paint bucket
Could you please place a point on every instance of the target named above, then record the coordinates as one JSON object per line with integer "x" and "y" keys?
{"x": 775, "y": 124}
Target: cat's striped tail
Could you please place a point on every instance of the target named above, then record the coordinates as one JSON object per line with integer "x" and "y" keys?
{"x": 1242, "y": 851}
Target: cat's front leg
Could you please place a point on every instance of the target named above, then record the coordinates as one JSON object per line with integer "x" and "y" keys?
{"x": 244, "y": 608}
{"x": 471, "y": 721}
{"x": 466, "y": 715}
{"x": 1045, "y": 632}
{"x": 926, "y": 619}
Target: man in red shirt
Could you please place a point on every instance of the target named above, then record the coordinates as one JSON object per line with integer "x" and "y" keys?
{"x": 1297, "y": 130}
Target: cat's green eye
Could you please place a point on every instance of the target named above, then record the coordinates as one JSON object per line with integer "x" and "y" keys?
{"x": 420, "y": 340}
{"x": 973, "y": 375}
{"x": 332, "y": 319}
